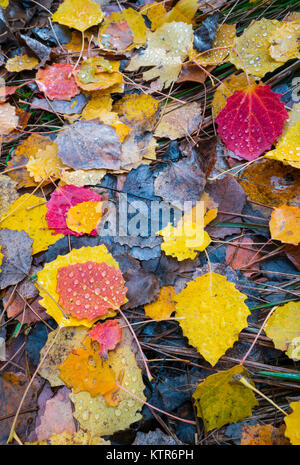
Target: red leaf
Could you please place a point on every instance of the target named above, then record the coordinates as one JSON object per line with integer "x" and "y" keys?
{"x": 251, "y": 121}
{"x": 88, "y": 290}
{"x": 108, "y": 335}
{"x": 57, "y": 82}
{"x": 61, "y": 200}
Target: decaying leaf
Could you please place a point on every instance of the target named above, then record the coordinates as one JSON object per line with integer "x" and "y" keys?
{"x": 167, "y": 48}
{"x": 221, "y": 46}
{"x": 16, "y": 250}
{"x": 292, "y": 422}
{"x": 164, "y": 306}
{"x": 179, "y": 121}
{"x": 263, "y": 435}
{"x": 221, "y": 400}
{"x": 214, "y": 313}
{"x": 57, "y": 81}
{"x": 85, "y": 370}
{"x": 28, "y": 213}
{"x": 79, "y": 14}
{"x": 107, "y": 334}
{"x": 240, "y": 254}
{"x": 8, "y": 118}
{"x": 93, "y": 413}
{"x": 69, "y": 338}
{"x": 283, "y": 326}
{"x": 251, "y": 121}
{"x": 47, "y": 280}
{"x": 251, "y": 52}
{"x": 123, "y": 30}
{"x": 8, "y": 193}
{"x": 21, "y": 63}
{"x": 61, "y": 201}
{"x": 287, "y": 150}
{"x": 227, "y": 88}
{"x": 285, "y": 224}
{"x": 89, "y": 145}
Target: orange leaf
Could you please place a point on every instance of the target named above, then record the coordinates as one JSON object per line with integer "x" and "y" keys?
{"x": 107, "y": 334}
{"x": 285, "y": 224}
{"x": 57, "y": 82}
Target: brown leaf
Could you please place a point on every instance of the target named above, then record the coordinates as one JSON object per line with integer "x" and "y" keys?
{"x": 204, "y": 152}
{"x": 179, "y": 121}
{"x": 89, "y": 145}
{"x": 193, "y": 73}
{"x": 293, "y": 253}
{"x": 239, "y": 255}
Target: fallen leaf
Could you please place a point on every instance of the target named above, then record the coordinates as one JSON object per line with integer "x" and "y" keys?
{"x": 8, "y": 118}
{"x": 47, "y": 280}
{"x": 222, "y": 43}
{"x": 79, "y": 14}
{"x": 28, "y": 213}
{"x": 89, "y": 145}
{"x": 61, "y": 201}
{"x": 57, "y": 81}
{"x": 292, "y": 422}
{"x": 96, "y": 73}
{"x": 16, "y": 250}
{"x": 287, "y": 150}
{"x": 93, "y": 413}
{"x": 193, "y": 73}
{"x": 8, "y": 193}
{"x": 214, "y": 313}
{"x": 164, "y": 306}
{"x": 85, "y": 370}
{"x": 263, "y": 435}
{"x": 82, "y": 178}
{"x": 284, "y": 42}
{"x": 138, "y": 111}
{"x": 84, "y": 217}
{"x": 45, "y": 165}
{"x": 283, "y": 326}
{"x": 79, "y": 438}
{"x": 251, "y": 121}
{"x": 220, "y": 400}
{"x": 227, "y": 88}
{"x": 240, "y": 253}
{"x": 64, "y": 107}
{"x": 285, "y": 224}
{"x": 21, "y": 63}
{"x": 251, "y": 52}
{"x": 178, "y": 122}
{"x": 166, "y": 50}
{"x": 107, "y": 334}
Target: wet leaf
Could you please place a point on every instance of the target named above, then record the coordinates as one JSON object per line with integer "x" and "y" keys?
{"x": 251, "y": 121}
{"x": 79, "y": 14}
{"x": 214, "y": 312}
{"x": 284, "y": 42}
{"x": 285, "y": 224}
{"x": 205, "y": 34}
{"x": 21, "y": 63}
{"x": 292, "y": 422}
{"x": 8, "y": 193}
{"x": 287, "y": 150}
{"x": 240, "y": 254}
{"x": 79, "y": 438}
{"x": 222, "y": 43}
{"x": 179, "y": 121}
{"x": 45, "y": 165}
{"x": 84, "y": 217}
{"x": 8, "y": 118}
{"x": 283, "y": 326}
{"x": 82, "y": 178}
{"x": 107, "y": 334}
{"x": 96, "y": 73}
{"x": 16, "y": 249}
{"x": 57, "y": 81}
{"x": 263, "y": 435}
{"x": 227, "y": 88}
{"x": 138, "y": 111}
{"x": 164, "y": 306}
{"x": 220, "y": 400}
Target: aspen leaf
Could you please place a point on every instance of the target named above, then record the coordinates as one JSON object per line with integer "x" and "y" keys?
{"x": 263, "y": 435}
{"x": 285, "y": 224}
{"x": 166, "y": 50}
{"x": 85, "y": 370}
{"x": 28, "y": 213}
{"x": 292, "y": 422}
{"x": 214, "y": 314}
{"x": 8, "y": 118}
{"x": 164, "y": 306}
{"x": 288, "y": 148}
{"x": 224, "y": 41}
{"x": 45, "y": 164}
{"x": 227, "y": 88}
{"x": 57, "y": 81}
{"x": 96, "y": 73}
{"x": 138, "y": 111}
{"x": 178, "y": 122}
{"x": 21, "y": 63}
{"x": 47, "y": 278}
{"x": 283, "y": 326}
{"x": 93, "y": 413}
{"x": 79, "y": 438}
{"x": 252, "y": 48}
{"x": 284, "y": 42}
{"x": 221, "y": 400}
{"x": 80, "y": 178}
{"x": 79, "y": 14}
{"x": 8, "y": 193}
{"x": 84, "y": 217}
{"x": 89, "y": 290}
{"x": 107, "y": 334}
{"x": 251, "y": 121}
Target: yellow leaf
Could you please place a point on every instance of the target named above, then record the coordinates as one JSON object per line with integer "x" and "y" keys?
{"x": 47, "y": 278}
{"x": 93, "y": 413}
{"x": 220, "y": 399}
{"x": 294, "y": 118}
{"x": 4, "y": 3}
{"x": 283, "y": 327}
{"x": 156, "y": 14}
{"x": 122, "y": 30}
{"x": 293, "y": 351}
{"x": 84, "y": 217}
{"x": 138, "y": 111}
{"x": 284, "y": 42}
{"x": 224, "y": 41}
{"x": 45, "y": 164}
{"x": 79, "y": 14}
{"x": 285, "y": 224}
{"x": 214, "y": 312}
{"x": 263, "y": 435}
{"x": 292, "y": 422}
{"x": 96, "y": 73}
{"x": 20, "y": 63}
{"x": 8, "y": 193}
{"x": 28, "y": 213}
{"x": 166, "y": 50}
{"x": 79, "y": 438}
{"x": 8, "y": 118}
{"x": 288, "y": 148}
{"x": 253, "y": 48}
{"x": 164, "y": 306}
{"x": 184, "y": 11}
{"x": 227, "y": 88}
{"x": 82, "y": 177}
